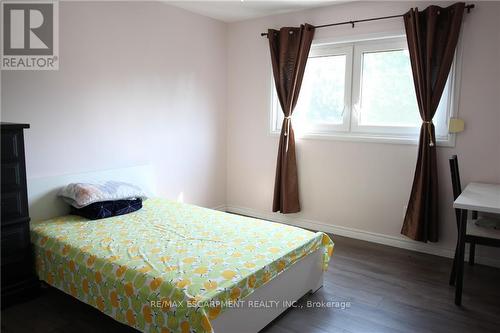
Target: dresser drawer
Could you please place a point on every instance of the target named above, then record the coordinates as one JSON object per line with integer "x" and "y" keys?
{"x": 15, "y": 242}
{"x": 12, "y": 176}
{"x": 11, "y": 144}
{"x": 16, "y": 271}
{"x": 14, "y": 205}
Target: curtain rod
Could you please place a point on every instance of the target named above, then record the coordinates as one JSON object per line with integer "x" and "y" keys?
{"x": 468, "y": 8}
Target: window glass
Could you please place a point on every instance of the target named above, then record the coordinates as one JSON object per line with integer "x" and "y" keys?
{"x": 322, "y": 95}
{"x": 387, "y": 90}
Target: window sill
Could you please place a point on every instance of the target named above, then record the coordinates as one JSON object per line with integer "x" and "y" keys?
{"x": 369, "y": 138}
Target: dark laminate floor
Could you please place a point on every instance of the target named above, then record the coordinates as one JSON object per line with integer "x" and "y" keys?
{"x": 390, "y": 290}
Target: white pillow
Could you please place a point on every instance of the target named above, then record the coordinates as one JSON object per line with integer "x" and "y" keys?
{"x": 80, "y": 195}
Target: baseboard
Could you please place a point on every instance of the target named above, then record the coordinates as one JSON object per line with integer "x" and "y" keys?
{"x": 222, "y": 208}
{"x": 368, "y": 236}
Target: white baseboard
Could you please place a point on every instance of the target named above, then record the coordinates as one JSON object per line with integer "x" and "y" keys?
{"x": 222, "y": 208}
{"x": 368, "y": 236}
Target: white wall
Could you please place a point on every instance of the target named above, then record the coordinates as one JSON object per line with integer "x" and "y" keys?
{"x": 352, "y": 188}
{"x": 139, "y": 82}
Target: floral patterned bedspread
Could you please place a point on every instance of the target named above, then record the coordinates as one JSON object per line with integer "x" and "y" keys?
{"x": 169, "y": 267}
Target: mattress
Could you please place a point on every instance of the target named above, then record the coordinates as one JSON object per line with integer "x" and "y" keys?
{"x": 169, "y": 267}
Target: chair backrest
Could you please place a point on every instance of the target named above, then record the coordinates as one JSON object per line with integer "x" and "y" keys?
{"x": 455, "y": 183}
{"x": 455, "y": 177}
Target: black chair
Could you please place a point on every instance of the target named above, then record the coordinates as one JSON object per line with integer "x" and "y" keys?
{"x": 479, "y": 230}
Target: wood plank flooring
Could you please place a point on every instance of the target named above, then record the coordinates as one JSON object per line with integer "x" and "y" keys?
{"x": 384, "y": 289}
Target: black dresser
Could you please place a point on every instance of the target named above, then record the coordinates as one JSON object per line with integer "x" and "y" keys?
{"x": 19, "y": 280}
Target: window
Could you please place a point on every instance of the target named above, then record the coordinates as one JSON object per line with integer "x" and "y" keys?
{"x": 362, "y": 90}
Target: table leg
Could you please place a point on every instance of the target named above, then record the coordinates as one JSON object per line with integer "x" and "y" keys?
{"x": 460, "y": 257}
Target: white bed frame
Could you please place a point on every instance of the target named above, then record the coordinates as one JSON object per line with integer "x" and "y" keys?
{"x": 303, "y": 277}
{"x": 257, "y": 310}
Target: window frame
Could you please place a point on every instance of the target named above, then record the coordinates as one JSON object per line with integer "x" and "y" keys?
{"x": 353, "y": 132}
{"x": 393, "y": 44}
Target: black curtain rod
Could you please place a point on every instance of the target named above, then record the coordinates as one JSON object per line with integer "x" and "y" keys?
{"x": 468, "y": 8}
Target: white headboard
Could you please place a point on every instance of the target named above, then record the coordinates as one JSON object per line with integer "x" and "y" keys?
{"x": 42, "y": 192}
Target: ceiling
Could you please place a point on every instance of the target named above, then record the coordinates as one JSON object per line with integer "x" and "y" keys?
{"x": 238, "y": 10}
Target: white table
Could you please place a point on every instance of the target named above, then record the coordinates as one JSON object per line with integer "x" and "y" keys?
{"x": 478, "y": 197}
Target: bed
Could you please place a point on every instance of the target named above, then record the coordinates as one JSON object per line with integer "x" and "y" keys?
{"x": 174, "y": 267}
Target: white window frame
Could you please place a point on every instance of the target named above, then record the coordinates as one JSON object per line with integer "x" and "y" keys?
{"x": 351, "y": 130}
{"x": 392, "y": 44}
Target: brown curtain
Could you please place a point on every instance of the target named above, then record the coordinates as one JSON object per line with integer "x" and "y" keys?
{"x": 432, "y": 36}
{"x": 289, "y": 51}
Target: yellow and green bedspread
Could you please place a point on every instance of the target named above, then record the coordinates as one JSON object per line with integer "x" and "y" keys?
{"x": 169, "y": 267}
